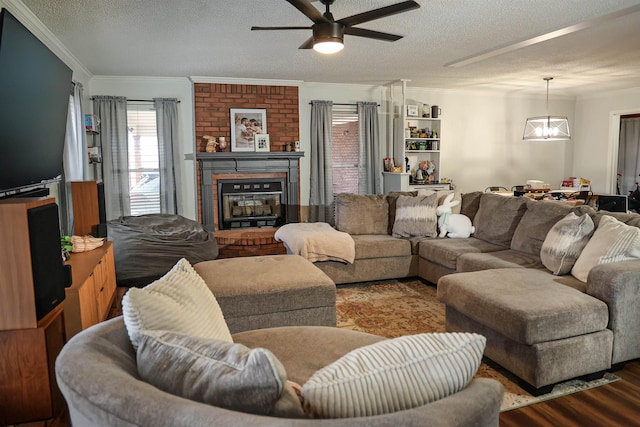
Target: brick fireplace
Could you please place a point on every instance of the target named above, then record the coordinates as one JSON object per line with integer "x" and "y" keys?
{"x": 257, "y": 212}
{"x": 249, "y": 234}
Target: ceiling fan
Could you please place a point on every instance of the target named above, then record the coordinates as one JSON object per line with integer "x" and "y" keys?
{"x": 328, "y": 34}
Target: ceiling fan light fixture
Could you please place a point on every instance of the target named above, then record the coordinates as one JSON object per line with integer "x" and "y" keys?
{"x": 547, "y": 128}
{"x": 328, "y": 37}
{"x": 328, "y": 47}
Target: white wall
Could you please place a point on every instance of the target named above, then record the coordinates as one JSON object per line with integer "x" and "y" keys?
{"x": 597, "y": 130}
{"x": 482, "y": 137}
{"x": 163, "y": 87}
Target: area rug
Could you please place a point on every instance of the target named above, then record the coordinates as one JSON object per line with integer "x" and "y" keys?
{"x": 402, "y": 307}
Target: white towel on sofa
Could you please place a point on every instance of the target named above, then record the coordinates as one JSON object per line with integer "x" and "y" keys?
{"x": 317, "y": 241}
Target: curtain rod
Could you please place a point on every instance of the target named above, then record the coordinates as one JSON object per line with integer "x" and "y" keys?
{"x": 337, "y": 103}
{"x": 135, "y": 100}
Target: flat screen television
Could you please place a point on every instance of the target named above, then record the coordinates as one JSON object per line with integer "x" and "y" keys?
{"x": 35, "y": 86}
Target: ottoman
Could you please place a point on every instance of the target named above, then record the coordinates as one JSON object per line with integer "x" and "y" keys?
{"x": 269, "y": 291}
{"x": 542, "y": 331}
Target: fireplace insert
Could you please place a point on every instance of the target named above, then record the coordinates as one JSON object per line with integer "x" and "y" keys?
{"x": 250, "y": 203}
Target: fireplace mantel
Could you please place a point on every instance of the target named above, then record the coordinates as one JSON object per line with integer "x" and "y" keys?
{"x": 248, "y": 163}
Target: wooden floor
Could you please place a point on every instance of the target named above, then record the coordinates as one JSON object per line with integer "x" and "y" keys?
{"x": 615, "y": 404}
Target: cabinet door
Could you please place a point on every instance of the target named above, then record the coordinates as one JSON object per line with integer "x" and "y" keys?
{"x": 105, "y": 284}
{"x": 88, "y": 306}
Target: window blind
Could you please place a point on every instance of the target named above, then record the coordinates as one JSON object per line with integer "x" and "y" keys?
{"x": 144, "y": 172}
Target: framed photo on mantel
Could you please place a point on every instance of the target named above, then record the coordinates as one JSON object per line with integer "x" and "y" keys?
{"x": 245, "y": 125}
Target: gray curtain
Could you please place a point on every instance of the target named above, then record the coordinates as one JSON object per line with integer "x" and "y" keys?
{"x": 76, "y": 161}
{"x": 321, "y": 197}
{"x": 112, "y": 112}
{"x": 629, "y": 154}
{"x": 369, "y": 167}
{"x": 169, "y": 152}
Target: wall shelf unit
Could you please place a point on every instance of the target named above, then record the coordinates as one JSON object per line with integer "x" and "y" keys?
{"x": 415, "y": 139}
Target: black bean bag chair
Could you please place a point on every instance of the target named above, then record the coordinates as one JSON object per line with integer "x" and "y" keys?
{"x": 147, "y": 246}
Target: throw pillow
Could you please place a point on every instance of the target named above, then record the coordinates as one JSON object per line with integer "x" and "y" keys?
{"x": 416, "y": 216}
{"x": 394, "y": 375}
{"x": 612, "y": 241}
{"x": 392, "y": 199}
{"x": 361, "y": 214}
{"x": 217, "y": 373}
{"x": 498, "y": 217}
{"x": 179, "y": 301}
{"x": 565, "y": 241}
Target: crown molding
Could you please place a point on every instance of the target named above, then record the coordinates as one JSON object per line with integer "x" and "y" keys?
{"x": 241, "y": 81}
{"x": 35, "y": 25}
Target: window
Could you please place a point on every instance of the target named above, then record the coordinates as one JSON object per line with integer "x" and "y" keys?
{"x": 345, "y": 149}
{"x": 144, "y": 171}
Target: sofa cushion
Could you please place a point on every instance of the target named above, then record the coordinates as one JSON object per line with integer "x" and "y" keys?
{"x": 361, "y": 214}
{"x": 416, "y": 216}
{"x": 565, "y": 241}
{"x": 611, "y": 242}
{"x": 380, "y": 246}
{"x": 536, "y": 222}
{"x": 394, "y": 375}
{"x": 442, "y": 195}
{"x": 498, "y": 217}
{"x": 392, "y": 199}
{"x": 526, "y": 305}
{"x": 499, "y": 259}
{"x": 470, "y": 204}
{"x": 215, "y": 372}
{"x": 445, "y": 252}
{"x": 179, "y": 301}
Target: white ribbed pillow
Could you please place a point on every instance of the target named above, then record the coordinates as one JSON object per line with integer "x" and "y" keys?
{"x": 612, "y": 241}
{"x": 394, "y": 375}
{"x": 179, "y": 301}
{"x": 565, "y": 241}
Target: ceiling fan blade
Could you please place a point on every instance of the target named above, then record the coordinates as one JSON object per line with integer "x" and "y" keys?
{"x": 308, "y": 44}
{"x": 307, "y": 8}
{"x": 370, "y": 34}
{"x": 279, "y": 28}
{"x": 379, "y": 13}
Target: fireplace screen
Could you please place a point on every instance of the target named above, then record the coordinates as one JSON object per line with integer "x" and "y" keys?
{"x": 250, "y": 203}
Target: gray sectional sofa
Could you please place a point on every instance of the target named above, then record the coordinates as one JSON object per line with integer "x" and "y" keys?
{"x": 544, "y": 328}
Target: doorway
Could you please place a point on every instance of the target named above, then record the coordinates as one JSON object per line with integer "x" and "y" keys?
{"x": 628, "y": 159}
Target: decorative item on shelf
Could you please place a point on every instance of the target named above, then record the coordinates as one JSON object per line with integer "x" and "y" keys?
{"x": 407, "y": 133}
{"x": 95, "y": 155}
{"x": 262, "y": 143}
{"x": 419, "y": 177}
{"x": 222, "y": 144}
{"x": 407, "y": 168}
{"x": 388, "y": 164}
{"x": 397, "y": 169}
{"x": 435, "y": 111}
{"x": 425, "y": 111}
{"x": 211, "y": 144}
{"x": 91, "y": 123}
{"x": 296, "y": 146}
{"x": 412, "y": 110}
{"x": 245, "y": 125}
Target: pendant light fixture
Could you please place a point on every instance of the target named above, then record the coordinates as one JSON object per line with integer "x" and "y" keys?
{"x": 547, "y": 128}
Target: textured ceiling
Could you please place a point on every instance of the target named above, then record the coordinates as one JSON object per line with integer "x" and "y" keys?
{"x": 213, "y": 38}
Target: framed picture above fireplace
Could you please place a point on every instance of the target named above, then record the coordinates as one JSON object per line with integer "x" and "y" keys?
{"x": 245, "y": 124}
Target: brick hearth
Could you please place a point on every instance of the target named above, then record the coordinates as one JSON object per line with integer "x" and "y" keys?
{"x": 248, "y": 242}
